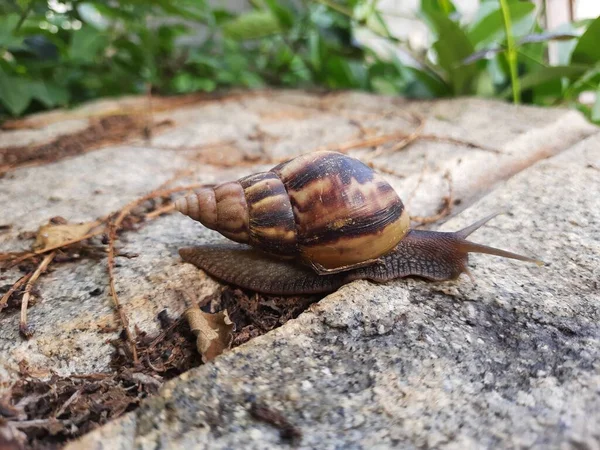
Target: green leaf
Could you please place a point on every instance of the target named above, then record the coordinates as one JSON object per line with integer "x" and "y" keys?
{"x": 251, "y": 80}
{"x": 314, "y": 49}
{"x": 252, "y": 25}
{"x": 484, "y": 86}
{"x": 452, "y": 47}
{"x": 283, "y": 15}
{"x": 48, "y": 93}
{"x": 203, "y": 59}
{"x": 221, "y": 16}
{"x": 23, "y": 3}
{"x": 186, "y": 82}
{"x": 435, "y": 7}
{"x": 14, "y": 93}
{"x": 587, "y": 50}
{"x": 8, "y": 24}
{"x": 589, "y": 81}
{"x": 595, "y": 114}
{"x": 490, "y": 29}
{"x": 342, "y": 73}
{"x": 191, "y": 10}
{"x": 384, "y": 86}
{"x": 422, "y": 84}
{"x": 546, "y": 75}
{"x": 86, "y": 44}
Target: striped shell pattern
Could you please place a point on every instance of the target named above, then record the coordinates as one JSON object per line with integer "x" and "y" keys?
{"x": 328, "y": 209}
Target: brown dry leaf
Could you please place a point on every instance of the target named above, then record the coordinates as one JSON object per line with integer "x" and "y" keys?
{"x": 214, "y": 331}
{"x": 54, "y": 234}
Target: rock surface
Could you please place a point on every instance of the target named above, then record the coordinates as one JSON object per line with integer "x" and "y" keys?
{"x": 512, "y": 360}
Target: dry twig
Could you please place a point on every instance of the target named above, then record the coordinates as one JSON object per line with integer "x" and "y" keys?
{"x": 404, "y": 142}
{"x": 113, "y": 228}
{"x": 113, "y": 292}
{"x": 13, "y": 288}
{"x": 169, "y": 207}
{"x": 70, "y": 400}
{"x": 419, "y": 181}
{"x": 23, "y": 328}
{"x": 451, "y": 140}
{"x": 445, "y": 210}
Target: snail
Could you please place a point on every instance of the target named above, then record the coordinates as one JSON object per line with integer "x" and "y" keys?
{"x": 317, "y": 222}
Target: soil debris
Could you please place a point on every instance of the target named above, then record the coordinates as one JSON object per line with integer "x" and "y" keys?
{"x": 101, "y": 131}
{"x": 256, "y": 314}
{"x": 45, "y": 410}
{"x": 51, "y": 410}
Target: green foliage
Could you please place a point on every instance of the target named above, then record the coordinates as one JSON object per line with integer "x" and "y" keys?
{"x": 59, "y": 54}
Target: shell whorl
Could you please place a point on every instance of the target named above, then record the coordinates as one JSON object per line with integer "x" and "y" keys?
{"x": 222, "y": 208}
{"x": 345, "y": 212}
{"x": 328, "y": 208}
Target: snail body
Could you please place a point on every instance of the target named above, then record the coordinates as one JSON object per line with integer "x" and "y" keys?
{"x": 319, "y": 221}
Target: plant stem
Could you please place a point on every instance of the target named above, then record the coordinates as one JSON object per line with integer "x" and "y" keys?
{"x": 24, "y": 15}
{"x": 339, "y": 8}
{"x": 511, "y": 53}
{"x": 445, "y": 6}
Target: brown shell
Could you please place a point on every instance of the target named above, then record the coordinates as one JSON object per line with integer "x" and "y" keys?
{"x": 329, "y": 209}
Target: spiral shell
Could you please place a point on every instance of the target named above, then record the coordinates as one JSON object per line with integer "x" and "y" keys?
{"x": 328, "y": 209}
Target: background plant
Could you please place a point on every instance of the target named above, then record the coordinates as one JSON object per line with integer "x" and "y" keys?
{"x": 59, "y": 54}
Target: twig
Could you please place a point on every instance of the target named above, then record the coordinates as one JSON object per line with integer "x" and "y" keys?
{"x": 113, "y": 292}
{"x": 70, "y": 400}
{"x": 405, "y": 142}
{"x": 153, "y": 367}
{"x": 22, "y": 256}
{"x": 13, "y": 288}
{"x": 124, "y": 212}
{"x": 446, "y": 206}
{"x": 163, "y": 334}
{"x": 451, "y": 140}
{"x": 384, "y": 169}
{"x": 93, "y": 376}
{"x": 160, "y": 211}
{"x": 113, "y": 228}
{"x": 419, "y": 181}
{"x": 23, "y": 328}
{"x": 37, "y": 423}
{"x": 368, "y": 142}
{"x": 210, "y": 146}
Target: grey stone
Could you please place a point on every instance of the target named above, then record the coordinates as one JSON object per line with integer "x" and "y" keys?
{"x": 510, "y": 361}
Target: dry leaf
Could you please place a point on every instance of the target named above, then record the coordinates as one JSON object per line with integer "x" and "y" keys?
{"x": 53, "y": 235}
{"x": 214, "y": 331}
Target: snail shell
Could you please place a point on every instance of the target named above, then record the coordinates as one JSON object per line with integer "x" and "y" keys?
{"x": 326, "y": 208}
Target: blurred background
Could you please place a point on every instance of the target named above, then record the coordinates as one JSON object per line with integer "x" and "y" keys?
{"x": 55, "y": 54}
